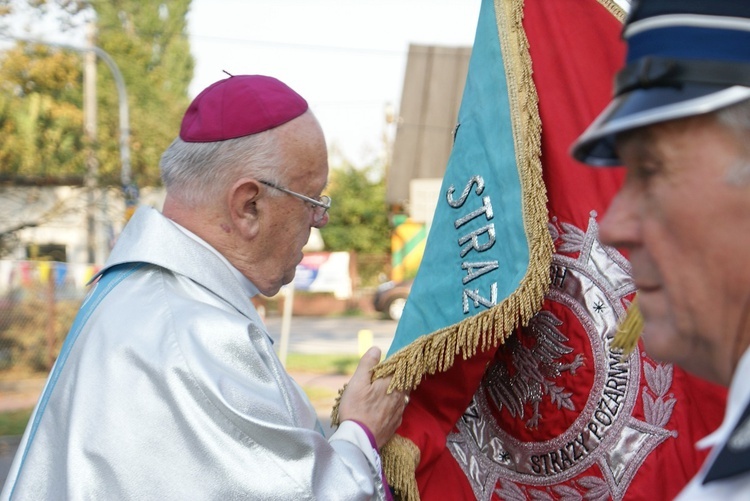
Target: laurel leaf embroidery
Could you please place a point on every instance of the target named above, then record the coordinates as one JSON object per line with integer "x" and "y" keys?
{"x": 648, "y": 371}
{"x": 664, "y": 411}
{"x": 572, "y": 238}
{"x": 648, "y": 407}
{"x": 553, "y": 231}
{"x": 510, "y": 491}
{"x": 596, "y": 488}
{"x": 659, "y": 378}
{"x": 665, "y": 379}
{"x": 567, "y": 493}
{"x": 537, "y": 495}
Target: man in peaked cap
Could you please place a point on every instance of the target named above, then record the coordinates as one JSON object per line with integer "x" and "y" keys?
{"x": 680, "y": 123}
{"x": 168, "y": 386}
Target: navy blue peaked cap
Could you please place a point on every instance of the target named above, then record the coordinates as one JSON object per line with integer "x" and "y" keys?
{"x": 685, "y": 57}
{"x": 725, "y": 8}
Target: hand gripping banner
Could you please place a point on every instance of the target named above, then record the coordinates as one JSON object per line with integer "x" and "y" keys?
{"x": 507, "y": 335}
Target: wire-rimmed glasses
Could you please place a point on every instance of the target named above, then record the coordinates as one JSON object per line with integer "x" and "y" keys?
{"x": 319, "y": 207}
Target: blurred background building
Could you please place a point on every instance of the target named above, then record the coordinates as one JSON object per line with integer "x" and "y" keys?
{"x": 433, "y": 86}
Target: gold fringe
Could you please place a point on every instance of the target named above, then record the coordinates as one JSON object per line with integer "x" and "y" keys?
{"x": 400, "y": 459}
{"x": 614, "y": 9}
{"x": 335, "y": 420}
{"x": 629, "y": 330}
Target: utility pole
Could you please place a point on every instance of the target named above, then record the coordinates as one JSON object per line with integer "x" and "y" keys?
{"x": 89, "y": 127}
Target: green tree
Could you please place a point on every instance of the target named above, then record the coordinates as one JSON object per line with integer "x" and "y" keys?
{"x": 41, "y": 116}
{"x": 359, "y": 215}
{"x": 148, "y": 41}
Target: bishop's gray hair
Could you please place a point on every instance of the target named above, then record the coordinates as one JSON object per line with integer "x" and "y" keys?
{"x": 737, "y": 119}
{"x": 199, "y": 173}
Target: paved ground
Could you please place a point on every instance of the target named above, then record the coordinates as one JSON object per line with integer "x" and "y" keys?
{"x": 308, "y": 335}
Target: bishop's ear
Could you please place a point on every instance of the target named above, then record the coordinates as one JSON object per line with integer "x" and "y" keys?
{"x": 243, "y": 206}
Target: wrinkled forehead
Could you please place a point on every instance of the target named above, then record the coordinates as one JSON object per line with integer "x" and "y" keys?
{"x": 680, "y": 139}
{"x": 644, "y": 144}
{"x": 652, "y": 139}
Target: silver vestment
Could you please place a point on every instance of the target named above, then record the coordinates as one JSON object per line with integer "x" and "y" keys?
{"x": 172, "y": 390}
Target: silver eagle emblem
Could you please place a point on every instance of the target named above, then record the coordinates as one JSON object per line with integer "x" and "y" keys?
{"x": 534, "y": 370}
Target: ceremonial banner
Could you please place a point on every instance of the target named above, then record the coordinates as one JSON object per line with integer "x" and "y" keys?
{"x": 507, "y": 334}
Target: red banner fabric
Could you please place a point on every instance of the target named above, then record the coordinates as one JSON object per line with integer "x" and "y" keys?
{"x": 555, "y": 413}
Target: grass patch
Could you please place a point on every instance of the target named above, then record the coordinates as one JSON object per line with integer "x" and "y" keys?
{"x": 322, "y": 364}
{"x": 14, "y": 422}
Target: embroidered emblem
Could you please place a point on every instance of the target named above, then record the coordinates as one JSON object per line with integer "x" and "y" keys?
{"x": 553, "y": 417}
{"x": 536, "y": 369}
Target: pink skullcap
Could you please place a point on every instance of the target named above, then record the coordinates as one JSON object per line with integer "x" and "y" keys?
{"x": 239, "y": 106}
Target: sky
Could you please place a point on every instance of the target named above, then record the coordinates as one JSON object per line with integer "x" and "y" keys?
{"x": 346, "y": 57}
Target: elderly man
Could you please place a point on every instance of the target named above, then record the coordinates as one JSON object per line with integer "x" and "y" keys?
{"x": 168, "y": 386}
{"x": 680, "y": 123}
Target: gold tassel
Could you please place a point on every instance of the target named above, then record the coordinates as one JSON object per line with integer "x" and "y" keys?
{"x": 629, "y": 330}
{"x": 335, "y": 419}
{"x": 400, "y": 460}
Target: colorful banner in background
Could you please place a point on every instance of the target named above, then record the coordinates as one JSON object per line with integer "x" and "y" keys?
{"x": 20, "y": 274}
{"x": 324, "y": 272}
{"x": 507, "y": 332}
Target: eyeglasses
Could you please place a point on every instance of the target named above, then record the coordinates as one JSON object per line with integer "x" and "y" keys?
{"x": 320, "y": 207}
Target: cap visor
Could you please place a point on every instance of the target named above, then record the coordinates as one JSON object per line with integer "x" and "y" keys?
{"x": 642, "y": 107}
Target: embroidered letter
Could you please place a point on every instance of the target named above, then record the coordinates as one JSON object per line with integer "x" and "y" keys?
{"x": 485, "y": 209}
{"x": 458, "y": 203}
{"x": 474, "y": 237}
{"x": 477, "y": 299}
{"x": 476, "y": 270}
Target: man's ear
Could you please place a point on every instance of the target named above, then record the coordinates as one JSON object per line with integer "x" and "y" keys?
{"x": 243, "y": 208}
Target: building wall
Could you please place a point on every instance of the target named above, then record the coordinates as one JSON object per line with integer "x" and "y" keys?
{"x": 58, "y": 217}
{"x": 433, "y": 86}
